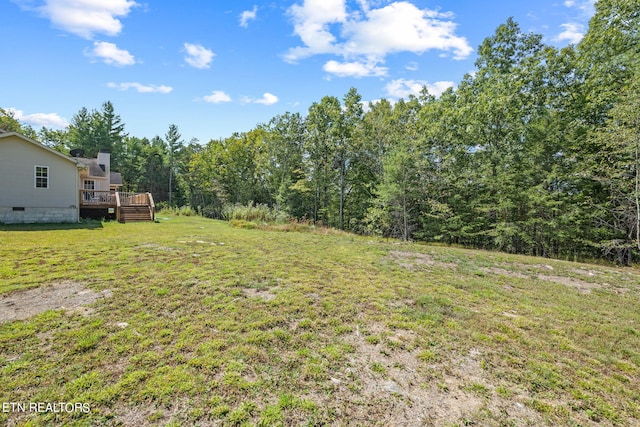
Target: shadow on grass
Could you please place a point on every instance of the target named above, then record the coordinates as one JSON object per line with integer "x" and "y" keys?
{"x": 84, "y": 225}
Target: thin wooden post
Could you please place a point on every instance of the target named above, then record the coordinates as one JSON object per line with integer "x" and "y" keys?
{"x": 118, "y": 206}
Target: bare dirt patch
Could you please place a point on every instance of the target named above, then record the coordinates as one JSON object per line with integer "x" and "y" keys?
{"x": 156, "y": 247}
{"x": 21, "y": 305}
{"x": 257, "y": 293}
{"x": 539, "y": 271}
{"x": 417, "y": 260}
{"x": 398, "y": 387}
{"x": 503, "y": 272}
{"x": 582, "y": 271}
{"x": 580, "y": 285}
{"x": 152, "y": 414}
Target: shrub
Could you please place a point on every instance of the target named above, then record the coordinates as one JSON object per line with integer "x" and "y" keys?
{"x": 164, "y": 209}
{"x": 258, "y": 213}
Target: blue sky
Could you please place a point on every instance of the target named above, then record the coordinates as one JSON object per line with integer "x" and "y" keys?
{"x": 222, "y": 66}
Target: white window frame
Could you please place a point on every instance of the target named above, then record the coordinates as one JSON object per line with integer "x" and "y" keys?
{"x": 46, "y": 177}
{"x": 88, "y": 192}
{"x": 89, "y": 188}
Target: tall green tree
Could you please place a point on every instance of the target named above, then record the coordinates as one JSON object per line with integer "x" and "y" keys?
{"x": 174, "y": 145}
{"x": 55, "y": 138}
{"x": 504, "y": 104}
{"x": 134, "y": 161}
{"x": 229, "y": 172}
{"x": 616, "y": 167}
{"x": 606, "y": 62}
{"x": 323, "y": 131}
{"x": 154, "y": 168}
{"x": 112, "y": 134}
{"x": 376, "y": 136}
{"x": 81, "y": 134}
{"x": 395, "y": 210}
{"x": 377, "y": 129}
{"x": 449, "y": 211}
{"x": 97, "y": 130}
{"x": 607, "y": 56}
{"x": 207, "y": 169}
{"x": 281, "y": 164}
{"x": 347, "y": 150}
{"x": 191, "y": 196}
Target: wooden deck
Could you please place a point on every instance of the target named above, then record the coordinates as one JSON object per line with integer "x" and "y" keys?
{"x": 127, "y": 206}
{"x": 97, "y": 199}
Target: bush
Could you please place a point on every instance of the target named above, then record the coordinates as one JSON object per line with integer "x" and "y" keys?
{"x": 164, "y": 209}
{"x": 240, "y": 223}
{"x": 259, "y": 213}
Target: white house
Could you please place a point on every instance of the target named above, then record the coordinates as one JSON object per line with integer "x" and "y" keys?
{"x": 37, "y": 184}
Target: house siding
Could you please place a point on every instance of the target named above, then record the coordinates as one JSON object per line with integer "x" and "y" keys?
{"x": 101, "y": 184}
{"x": 56, "y": 203}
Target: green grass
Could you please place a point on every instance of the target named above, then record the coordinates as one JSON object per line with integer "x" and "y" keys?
{"x": 211, "y": 324}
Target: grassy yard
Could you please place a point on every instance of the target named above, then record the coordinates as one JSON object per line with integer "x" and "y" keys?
{"x": 189, "y": 321}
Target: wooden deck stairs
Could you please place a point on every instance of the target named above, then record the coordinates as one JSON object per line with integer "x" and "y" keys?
{"x": 135, "y": 207}
{"x": 135, "y": 214}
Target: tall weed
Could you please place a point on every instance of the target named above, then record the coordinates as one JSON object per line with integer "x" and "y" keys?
{"x": 259, "y": 213}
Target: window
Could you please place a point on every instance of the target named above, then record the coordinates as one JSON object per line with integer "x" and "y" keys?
{"x": 42, "y": 176}
{"x": 87, "y": 185}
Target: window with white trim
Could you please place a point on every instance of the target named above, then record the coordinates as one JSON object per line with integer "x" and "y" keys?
{"x": 42, "y": 177}
{"x": 88, "y": 184}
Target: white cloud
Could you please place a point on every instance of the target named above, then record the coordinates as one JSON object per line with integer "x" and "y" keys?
{"x": 572, "y": 33}
{"x": 412, "y": 66}
{"x": 51, "y": 120}
{"x": 586, "y": 6}
{"x": 248, "y": 15}
{"x": 402, "y": 88}
{"x": 267, "y": 99}
{"x": 402, "y": 27}
{"x": 217, "y": 97}
{"x": 311, "y": 24}
{"x": 198, "y": 56}
{"x": 110, "y": 54}
{"x": 368, "y": 35}
{"x": 354, "y": 69}
{"x": 85, "y": 18}
{"x": 140, "y": 87}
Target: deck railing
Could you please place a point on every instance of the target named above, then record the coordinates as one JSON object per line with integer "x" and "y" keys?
{"x": 104, "y": 198}
{"x": 152, "y": 206}
{"x": 97, "y": 198}
{"x": 133, "y": 199}
{"x": 107, "y": 199}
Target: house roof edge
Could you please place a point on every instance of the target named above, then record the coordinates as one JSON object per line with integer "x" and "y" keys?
{"x": 44, "y": 147}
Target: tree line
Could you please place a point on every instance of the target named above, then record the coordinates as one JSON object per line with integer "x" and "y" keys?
{"x": 535, "y": 152}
